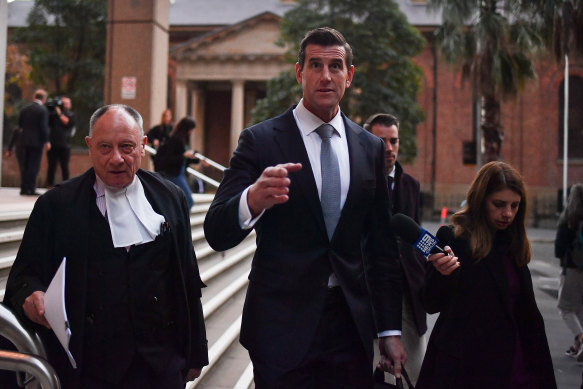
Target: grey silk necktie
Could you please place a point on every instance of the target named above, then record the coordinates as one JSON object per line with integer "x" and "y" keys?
{"x": 330, "y": 198}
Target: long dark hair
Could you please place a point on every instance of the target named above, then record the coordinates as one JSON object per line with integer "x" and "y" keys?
{"x": 181, "y": 129}
{"x": 471, "y": 222}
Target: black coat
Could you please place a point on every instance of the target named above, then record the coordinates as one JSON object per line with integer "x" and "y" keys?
{"x": 60, "y": 134}
{"x": 294, "y": 258}
{"x": 169, "y": 158}
{"x": 563, "y": 243}
{"x": 407, "y": 200}
{"x": 58, "y": 228}
{"x": 474, "y": 339}
{"x": 34, "y": 121}
{"x": 159, "y": 132}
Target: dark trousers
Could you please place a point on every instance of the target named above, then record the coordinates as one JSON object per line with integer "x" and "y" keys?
{"x": 138, "y": 376}
{"x": 31, "y": 163}
{"x": 336, "y": 358}
{"x": 60, "y": 155}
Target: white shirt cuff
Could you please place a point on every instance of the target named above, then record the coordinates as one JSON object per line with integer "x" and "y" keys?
{"x": 245, "y": 218}
{"x": 389, "y": 333}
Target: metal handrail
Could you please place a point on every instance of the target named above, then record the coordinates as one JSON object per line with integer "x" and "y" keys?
{"x": 196, "y": 173}
{"x": 14, "y": 331}
{"x": 32, "y": 353}
{"x": 35, "y": 366}
{"x": 210, "y": 161}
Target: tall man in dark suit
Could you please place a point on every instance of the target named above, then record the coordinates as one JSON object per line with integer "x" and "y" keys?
{"x": 132, "y": 289}
{"x": 34, "y": 121}
{"x": 406, "y": 199}
{"x": 324, "y": 277}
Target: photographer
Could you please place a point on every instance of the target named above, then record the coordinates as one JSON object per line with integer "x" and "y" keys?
{"x": 62, "y": 127}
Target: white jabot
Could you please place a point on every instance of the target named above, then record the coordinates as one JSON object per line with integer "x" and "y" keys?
{"x": 132, "y": 220}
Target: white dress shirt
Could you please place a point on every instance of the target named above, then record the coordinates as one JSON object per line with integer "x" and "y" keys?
{"x": 307, "y": 123}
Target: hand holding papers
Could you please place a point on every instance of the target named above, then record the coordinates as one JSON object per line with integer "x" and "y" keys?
{"x": 55, "y": 311}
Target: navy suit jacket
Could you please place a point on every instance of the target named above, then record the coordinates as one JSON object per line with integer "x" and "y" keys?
{"x": 407, "y": 200}
{"x": 294, "y": 257}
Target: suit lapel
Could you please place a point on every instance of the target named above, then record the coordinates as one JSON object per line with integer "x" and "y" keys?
{"x": 289, "y": 139}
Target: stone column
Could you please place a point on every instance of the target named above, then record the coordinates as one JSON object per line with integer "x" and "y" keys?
{"x": 237, "y": 111}
{"x": 197, "y": 109}
{"x": 3, "y": 35}
{"x": 181, "y": 100}
{"x": 137, "y": 56}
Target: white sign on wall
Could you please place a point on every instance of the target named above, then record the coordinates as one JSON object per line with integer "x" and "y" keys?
{"x": 128, "y": 88}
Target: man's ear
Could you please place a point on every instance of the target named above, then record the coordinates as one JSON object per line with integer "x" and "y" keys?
{"x": 349, "y": 76}
{"x": 298, "y": 73}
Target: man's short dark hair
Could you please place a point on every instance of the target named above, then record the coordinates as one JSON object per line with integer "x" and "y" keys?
{"x": 325, "y": 37}
{"x": 383, "y": 119}
{"x": 40, "y": 94}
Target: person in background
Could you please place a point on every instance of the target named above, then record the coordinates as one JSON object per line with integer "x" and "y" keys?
{"x": 34, "y": 121}
{"x": 405, "y": 197}
{"x": 570, "y": 301}
{"x": 160, "y": 132}
{"x": 61, "y": 125}
{"x": 133, "y": 287}
{"x": 15, "y": 146}
{"x": 324, "y": 276}
{"x": 490, "y": 333}
{"x": 175, "y": 154}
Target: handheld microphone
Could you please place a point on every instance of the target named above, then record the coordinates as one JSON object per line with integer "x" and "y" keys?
{"x": 416, "y": 236}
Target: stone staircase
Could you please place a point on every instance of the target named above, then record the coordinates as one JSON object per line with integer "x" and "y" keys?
{"x": 225, "y": 275}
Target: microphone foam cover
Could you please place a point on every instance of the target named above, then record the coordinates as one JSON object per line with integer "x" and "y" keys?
{"x": 405, "y": 227}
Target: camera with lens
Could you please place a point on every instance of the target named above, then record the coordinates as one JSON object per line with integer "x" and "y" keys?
{"x": 54, "y": 102}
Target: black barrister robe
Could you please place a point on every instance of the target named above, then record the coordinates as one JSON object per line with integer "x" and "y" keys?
{"x": 58, "y": 227}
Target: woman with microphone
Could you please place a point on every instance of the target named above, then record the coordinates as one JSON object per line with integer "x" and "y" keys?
{"x": 490, "y": 333}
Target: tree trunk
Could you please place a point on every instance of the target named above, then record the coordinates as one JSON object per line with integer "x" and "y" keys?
{"x": 491, "y": 129}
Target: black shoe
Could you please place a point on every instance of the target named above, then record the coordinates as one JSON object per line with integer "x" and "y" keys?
{"x": 571, "y": 352}
{"x": 30, "y": 193}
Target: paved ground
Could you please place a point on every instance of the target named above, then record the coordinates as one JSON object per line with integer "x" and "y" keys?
{"x": 545, "y": 271}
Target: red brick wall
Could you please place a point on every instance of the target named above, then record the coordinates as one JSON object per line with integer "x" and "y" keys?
{"x": 530, "y": 121}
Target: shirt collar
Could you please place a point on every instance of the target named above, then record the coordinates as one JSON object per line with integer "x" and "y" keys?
{"x": 99, "y": 187}
{"x": 308, "y": 122}
{"x": 392, "y": 172}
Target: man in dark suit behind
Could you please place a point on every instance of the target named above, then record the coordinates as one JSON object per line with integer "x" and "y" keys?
{"x": 406, "y": 199}
{"x": 132, "y": 282}
{"x": 34, "y": 121}
{"x": 324, "y": 277}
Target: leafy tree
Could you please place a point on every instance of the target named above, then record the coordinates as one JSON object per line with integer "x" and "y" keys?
{"x": 383, "y": 43}
{"x": 492, "y": 42}
{"x": 66, "y": 43}
{"x": 17, "y": 78}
